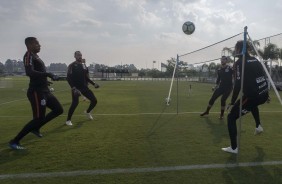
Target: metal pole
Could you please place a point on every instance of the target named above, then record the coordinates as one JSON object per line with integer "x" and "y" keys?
{"x": 171, "y": 84}
{"x": 241, "y": 91}
{"x": 177, "y": 82}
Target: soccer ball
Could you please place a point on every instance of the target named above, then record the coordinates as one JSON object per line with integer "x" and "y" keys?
{"x": 188, "y": 27}
{"x": 52, "y": 89}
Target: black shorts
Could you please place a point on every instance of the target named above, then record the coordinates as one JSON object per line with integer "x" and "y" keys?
{"x": 248, "y": 104}
{"x": 39, "y": 100}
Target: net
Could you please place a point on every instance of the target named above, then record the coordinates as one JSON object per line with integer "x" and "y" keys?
{"x": 196, "y": 71}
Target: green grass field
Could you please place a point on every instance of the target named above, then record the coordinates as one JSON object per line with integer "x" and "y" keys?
{"x": 134, "y": 129}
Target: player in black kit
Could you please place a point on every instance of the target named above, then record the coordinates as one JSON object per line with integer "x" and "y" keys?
{"x": 38, "y": 93}
{"x": 255, "y": 93}
{"x": 78, "y": 80}
{"x": 223, "y": 86}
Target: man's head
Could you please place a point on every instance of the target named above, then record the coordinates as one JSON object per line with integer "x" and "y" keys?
{"x": 78, "y": 56}
{"x": 224, "y": 60}
{"x": 239, "y": 47}
{"x": 32, "y": 44}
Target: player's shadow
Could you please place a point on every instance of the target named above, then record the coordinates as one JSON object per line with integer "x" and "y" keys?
{"x": 257, "y": 173}
{"x": 9, "y": 155}
{"x": 64, "y": 128}
{"x": 159, "y": 123}
{"x": 218, "y": 129}
{"x": 79, "y": 124}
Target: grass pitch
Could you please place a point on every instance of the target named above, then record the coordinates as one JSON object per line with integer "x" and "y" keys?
{"x": 133, "y": 128}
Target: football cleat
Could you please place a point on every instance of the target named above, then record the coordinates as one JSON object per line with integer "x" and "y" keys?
{"x": 69, "y": 123}
{"x": 88, "y": 115}
{"x": 15, "y": 146}
{"x": 258, "y": 130}
{"x": 230, "y": 150}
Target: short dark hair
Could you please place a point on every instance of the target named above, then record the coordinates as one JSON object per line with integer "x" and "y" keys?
{"x": 224, "y": 57}
{"x": 76, "y": 52}
{"x": 29, "y": 40}
{"x": 239, "y": 45}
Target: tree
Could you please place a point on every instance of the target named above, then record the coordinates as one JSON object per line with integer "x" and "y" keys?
{"x": 58, "y": 67}
{"x": 9, "y": 65}
{"x": 271, "y": 51}
{"x": 142, "y": 72}
{"x": 2, "y": 68}
{"x": 227, "y": 51}
{"x": 170, "y": 66}
{"x": 212, "y": 69}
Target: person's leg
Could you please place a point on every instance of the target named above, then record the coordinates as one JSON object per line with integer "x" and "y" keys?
{"x": 38, "y": 104}
{"x": 75, "y": 100}
{"x": 255, "y": 113}
{"x": 91, "y": 97}
{"x": 223, "y": 102}
{"x": 215, "y": 95}
{"x": 56, "y": 109}
{"x": 231, "y": 121}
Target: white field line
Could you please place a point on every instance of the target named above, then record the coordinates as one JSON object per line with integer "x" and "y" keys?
{"x": 4, "y": 103}
{"x": 139, "y": 114}
{"x": 136, "y": 170}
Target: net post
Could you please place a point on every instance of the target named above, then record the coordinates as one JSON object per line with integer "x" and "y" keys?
{"x": 177, "y": 61}
{"x": 241, "y": 91}
{"x": 171, "y": 83}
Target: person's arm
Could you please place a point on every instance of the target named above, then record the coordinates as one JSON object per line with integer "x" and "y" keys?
{"x": 237, "y": 82}
{"x": 30, "y": 69}
{"x": 69, "y": 76}
{"x": 218, "y": 78}
{"x": 89, "y": 80}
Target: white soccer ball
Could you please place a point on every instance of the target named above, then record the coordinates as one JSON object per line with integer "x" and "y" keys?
{"x": 52, "y": 89}
{"x": 188, "y": 27}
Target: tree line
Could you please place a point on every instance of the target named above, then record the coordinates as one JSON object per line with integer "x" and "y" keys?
{"x": 270, "y": 54}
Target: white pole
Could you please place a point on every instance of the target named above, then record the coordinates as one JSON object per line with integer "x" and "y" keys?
{"x": 265, "y": 70}
{"x": 172, "y": 79}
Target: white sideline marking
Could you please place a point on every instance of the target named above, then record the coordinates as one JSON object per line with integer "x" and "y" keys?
{"x": 135, "y": 170}
{"x": 21, "y": 99}
{"x": 13, "y": 101}
{"x": 139, "y": 114}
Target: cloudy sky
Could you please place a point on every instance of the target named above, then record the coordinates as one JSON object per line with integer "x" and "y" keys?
{"x": 112, "y": 32}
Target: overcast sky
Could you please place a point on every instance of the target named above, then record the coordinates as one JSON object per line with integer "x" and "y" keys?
{"x": 112, "y": 32}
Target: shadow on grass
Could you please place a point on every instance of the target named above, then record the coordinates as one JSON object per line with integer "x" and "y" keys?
{"x": 64, "y": 128}
{"x": 159, "y": 124}
{"x": 253, "y": 174}
{"x": 9, "y": 155}
{"x": 217, "y": 129}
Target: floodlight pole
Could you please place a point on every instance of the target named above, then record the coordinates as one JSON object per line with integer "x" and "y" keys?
{"x": 241, "y": 91}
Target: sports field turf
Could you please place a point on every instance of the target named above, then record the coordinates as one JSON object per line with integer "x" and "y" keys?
{"x": 136, "y": 138}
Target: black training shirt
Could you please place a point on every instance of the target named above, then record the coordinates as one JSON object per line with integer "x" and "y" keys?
{"x": 77, "y": 75}
{"x": 224, "y": 77}
{"x": 36, "y": 70}
{"x": 255, "y": 82}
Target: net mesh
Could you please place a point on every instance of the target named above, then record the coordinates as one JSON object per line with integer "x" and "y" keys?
{"x": 197, "y": 70}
